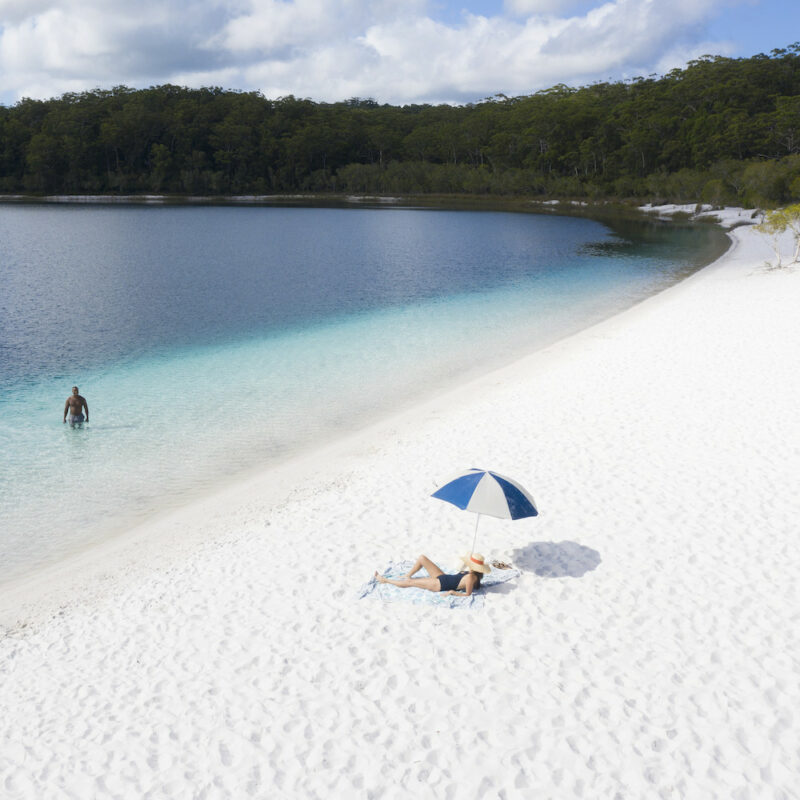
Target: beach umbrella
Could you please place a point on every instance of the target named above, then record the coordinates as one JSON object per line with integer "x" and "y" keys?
{"x": 485, "y": 492}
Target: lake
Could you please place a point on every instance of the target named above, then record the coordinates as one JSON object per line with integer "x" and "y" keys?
{"x": 212, "y": 340}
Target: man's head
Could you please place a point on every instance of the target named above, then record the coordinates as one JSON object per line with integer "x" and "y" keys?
{"x": 75, "y": 390}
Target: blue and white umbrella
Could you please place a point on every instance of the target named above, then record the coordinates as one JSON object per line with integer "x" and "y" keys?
{"x": 485, "y": 492}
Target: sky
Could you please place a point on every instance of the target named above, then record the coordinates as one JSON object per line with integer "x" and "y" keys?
{"x": 394, "y": 51}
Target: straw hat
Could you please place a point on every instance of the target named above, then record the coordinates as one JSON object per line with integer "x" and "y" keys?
{"x": 476, "y": 563}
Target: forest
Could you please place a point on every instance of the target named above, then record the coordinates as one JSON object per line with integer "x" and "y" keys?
{"x": 721, "y": 130}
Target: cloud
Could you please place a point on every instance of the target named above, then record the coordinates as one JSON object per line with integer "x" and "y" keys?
{"x": 66, "y": 45}
{"x": 14, "y": 11}
{"x": 267, "y": 25}
{"x": 334, "y": 49}
{"x": 527, "y": 8}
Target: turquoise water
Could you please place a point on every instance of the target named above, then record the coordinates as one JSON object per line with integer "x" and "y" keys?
{"x": 209, "y": 341}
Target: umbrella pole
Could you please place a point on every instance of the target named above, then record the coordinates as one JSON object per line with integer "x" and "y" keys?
{"x": 475, "y": 537}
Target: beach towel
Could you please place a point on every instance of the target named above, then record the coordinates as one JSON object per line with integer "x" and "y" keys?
{"x": 392, "y": 594}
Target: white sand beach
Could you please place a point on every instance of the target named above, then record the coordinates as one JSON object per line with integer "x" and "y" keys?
{"x": 649, "y": 648}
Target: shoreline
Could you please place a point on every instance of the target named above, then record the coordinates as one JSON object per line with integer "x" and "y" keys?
{"x": 97, "y": 562}
{"x": 647, "y": 648}
{"x": 601, "y": 210}
{"x": 521, "y": 203}
{"x": 129, "y": 520}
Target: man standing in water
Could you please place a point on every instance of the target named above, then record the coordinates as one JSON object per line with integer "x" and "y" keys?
{"x": 75, "y": 406}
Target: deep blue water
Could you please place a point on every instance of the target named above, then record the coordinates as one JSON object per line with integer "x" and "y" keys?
{"x": 210, "y": 340}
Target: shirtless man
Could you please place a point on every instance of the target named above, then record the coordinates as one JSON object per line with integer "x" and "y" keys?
{"x": 75, "y": 406}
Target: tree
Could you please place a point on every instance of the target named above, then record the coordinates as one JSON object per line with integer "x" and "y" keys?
{"x": 776, "y": 223}
{"x": 725, "y": 128}
{"x": 161, "y": 161}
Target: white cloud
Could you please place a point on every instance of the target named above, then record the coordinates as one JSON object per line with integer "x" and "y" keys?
{"x": 334, "y": 49}
{"x": 526, "y": 8}
{"x": 67, "y": 45}
{"x": 267, "y": 25}
{"x": 14, "y": 11}
{"x": 418, "y": 58}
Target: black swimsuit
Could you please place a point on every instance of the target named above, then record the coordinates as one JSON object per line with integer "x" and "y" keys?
{"x": 449, "y": 582}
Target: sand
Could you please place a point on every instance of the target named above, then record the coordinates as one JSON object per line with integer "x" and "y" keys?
{"x": 648, "y": 649}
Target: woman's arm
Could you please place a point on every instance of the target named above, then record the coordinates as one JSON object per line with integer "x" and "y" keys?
{"x": 470, "y": 581}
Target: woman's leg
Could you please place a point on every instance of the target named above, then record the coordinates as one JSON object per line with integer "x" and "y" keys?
{"x": 424, "y": 561}
{"x": 431, "y": 584}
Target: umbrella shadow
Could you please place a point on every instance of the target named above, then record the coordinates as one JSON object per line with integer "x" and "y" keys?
{"x": 500, "y": 588}
{"x": 557, "y": 559}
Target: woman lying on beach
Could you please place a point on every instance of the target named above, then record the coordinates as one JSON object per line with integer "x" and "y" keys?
{"x": 437, "y": 581}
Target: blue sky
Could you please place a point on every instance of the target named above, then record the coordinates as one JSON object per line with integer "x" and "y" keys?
{"x": 396, "y": 51}
{"x": 758, "y": 27}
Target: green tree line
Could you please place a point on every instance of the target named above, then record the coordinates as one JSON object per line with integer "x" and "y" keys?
{"x": 721, "y": 130}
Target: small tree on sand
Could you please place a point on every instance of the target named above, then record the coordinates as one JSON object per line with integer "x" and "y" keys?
{"x": 777, "y": 222}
